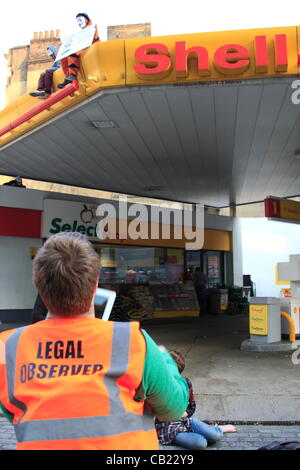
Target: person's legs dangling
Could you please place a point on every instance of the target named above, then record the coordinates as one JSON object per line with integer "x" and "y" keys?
{"x": 48, "y": 80}
{"x": 41, "y": 86}
{"x": 73, "y": 66}
{"x": 70, "y": 66}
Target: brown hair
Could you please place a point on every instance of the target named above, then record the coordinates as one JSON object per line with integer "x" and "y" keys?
{"x": 65, "y": 272}
{"x": 179, "y": 359}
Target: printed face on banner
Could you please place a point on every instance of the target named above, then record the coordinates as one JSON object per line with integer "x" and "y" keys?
{"x": 82, "y": 21}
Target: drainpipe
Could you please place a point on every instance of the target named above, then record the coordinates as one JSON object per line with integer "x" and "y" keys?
{"x": 39, "y": 108}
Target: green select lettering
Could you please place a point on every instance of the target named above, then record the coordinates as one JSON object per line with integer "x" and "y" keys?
{"x": 57, "y": 226}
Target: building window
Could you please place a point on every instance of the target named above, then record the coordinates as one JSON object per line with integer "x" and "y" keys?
{"x": 139, "y": 265}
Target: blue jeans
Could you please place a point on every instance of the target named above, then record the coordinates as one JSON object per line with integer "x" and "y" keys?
{"x": 202, "y": 435}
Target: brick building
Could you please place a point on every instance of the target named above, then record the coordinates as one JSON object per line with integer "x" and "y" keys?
{"x": 25, "y": 63}
{"x": 127, "y": 31}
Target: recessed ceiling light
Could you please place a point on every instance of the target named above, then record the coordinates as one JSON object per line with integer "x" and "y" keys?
{"x": 103, "y": 124}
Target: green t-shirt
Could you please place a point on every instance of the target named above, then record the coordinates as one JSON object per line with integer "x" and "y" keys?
{"x": 164, "y": 389}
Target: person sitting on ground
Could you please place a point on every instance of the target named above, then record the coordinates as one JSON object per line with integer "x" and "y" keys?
{"x": 16, "y": 182}
{"x": 71, "y": 64}
{"x": 189, "y": 432}
{"x": 46, "y": 78}
{"x": 73, "y": 381}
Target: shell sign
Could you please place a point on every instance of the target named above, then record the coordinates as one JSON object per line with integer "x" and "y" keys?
{"x": 223, "y": 55}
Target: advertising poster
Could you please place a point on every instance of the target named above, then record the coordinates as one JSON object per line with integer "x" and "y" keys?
{"x": 258, "y": 319}
{"x": 213, "y": 267}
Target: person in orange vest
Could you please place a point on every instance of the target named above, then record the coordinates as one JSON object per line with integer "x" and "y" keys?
{"x": 73, "y": 381}
{"x": 71, "y": 64}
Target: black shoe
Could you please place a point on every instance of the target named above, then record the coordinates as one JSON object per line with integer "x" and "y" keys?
{"x": 71, "y": 78}
{"x": 44, "y": 96}
{"x": 63, "y": 84}
{"x": 37, "y": 93}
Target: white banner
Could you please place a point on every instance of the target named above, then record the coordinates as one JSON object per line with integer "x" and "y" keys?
{"x": 76, "y": 42}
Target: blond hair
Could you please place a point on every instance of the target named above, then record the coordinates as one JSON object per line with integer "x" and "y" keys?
{"x": 65, "y": 272}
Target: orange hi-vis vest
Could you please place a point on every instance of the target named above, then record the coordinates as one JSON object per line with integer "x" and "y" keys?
{"x": 70, "y": 384}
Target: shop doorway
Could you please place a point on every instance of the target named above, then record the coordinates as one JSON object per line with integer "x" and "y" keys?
{"x": 212, "y": 263}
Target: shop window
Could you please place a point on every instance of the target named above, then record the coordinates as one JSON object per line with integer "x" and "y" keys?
{"x": 193, "y": 261}
{"x": 139, "y": 265}
{"x": 147, "y": 280}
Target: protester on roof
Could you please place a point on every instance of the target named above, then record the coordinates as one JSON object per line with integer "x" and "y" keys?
{"x": 71, "y": 64}
{"x": 46, "y": 77}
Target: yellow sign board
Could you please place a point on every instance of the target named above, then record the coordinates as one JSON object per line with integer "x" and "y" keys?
{"x": 280, "y": 283}
{"x": 290, "y": 210}
{"x": 258, "y": 319}
{"x": 224, "y": 302}
{"x": 283, "y": 209}
{"x": 212, "y": 56}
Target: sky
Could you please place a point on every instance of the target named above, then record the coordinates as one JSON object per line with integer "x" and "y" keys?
{"x": 269, "y": 242}
{"x": 166, "y": 17}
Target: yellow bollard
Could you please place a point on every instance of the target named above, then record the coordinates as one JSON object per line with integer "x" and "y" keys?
{"x": 291, "y": 322}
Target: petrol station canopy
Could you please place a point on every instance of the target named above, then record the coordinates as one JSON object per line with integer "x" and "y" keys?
{"x": 210, "y": 117}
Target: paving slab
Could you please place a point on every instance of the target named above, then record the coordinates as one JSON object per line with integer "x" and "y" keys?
{"x": 239, "y": 441}
{"x": 284, "y": 345}
{"x": 231, "y": 384}
{"x": 246, "y": 438}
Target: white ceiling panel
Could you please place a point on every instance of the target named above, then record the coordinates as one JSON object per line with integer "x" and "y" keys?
{"x": 269, "y": 109}
{"x": 225, "y": 113}
{"x": 249, "y": 97}
{"x": 221, "y": 144}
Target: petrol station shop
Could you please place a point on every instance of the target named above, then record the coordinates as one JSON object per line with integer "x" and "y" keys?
{"x": 151, "y": 276}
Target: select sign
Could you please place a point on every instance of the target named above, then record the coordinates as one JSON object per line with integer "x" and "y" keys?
{"x": 66, "y": 216}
